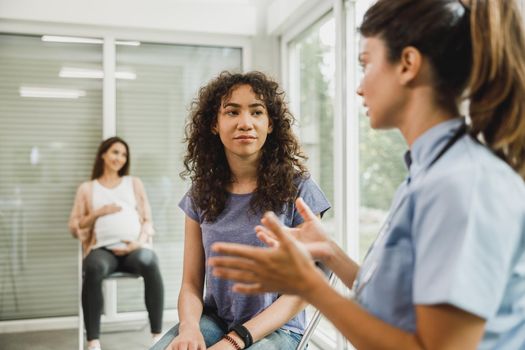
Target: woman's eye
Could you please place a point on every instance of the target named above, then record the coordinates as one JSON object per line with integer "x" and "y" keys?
{"x": 231, "y": 113}
{"x": 258, "y": 112}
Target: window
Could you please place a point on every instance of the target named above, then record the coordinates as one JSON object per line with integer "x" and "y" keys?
{"x": 152, "y": 110}
{"x": 381, "y": 166}
{"x": 311, "y": 80}
{"x": 51, "y": 111}
{"x": 51, "y": 127}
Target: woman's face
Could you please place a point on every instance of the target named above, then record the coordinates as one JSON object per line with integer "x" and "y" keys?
{"x": 115, "y": 157}
{"x": 243, "y": 124}
{"x": 380, "y": 86}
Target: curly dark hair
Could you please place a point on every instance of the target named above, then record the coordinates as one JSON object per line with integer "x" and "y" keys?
{"x": 281, "y": 162}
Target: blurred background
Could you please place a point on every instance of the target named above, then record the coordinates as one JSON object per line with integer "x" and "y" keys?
{"x": 74, "y": 72}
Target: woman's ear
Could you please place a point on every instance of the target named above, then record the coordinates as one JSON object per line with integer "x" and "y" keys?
{"x": 410, "y": 64}
{"x": 270, "y": 125}
{"x": 214, "y": 129}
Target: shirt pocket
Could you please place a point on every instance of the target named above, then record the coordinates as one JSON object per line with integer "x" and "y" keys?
{"x": 388, "y": 295}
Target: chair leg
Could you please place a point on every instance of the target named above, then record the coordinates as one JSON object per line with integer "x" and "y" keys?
{"x": 110, "y": 299}
{"x": 80, "y": 312}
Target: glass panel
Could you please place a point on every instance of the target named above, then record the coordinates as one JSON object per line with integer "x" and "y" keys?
{"x": 315, "y": 61}
{"x": 51, "y": 127}
{"x": 381, "y": 167}
{"x": 151, "y": 113}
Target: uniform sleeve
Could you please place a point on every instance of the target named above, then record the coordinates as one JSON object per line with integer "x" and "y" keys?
{"x": 466, "y": 234}
{"x": 314, "y": 197}
{"x": 188, "y": 207}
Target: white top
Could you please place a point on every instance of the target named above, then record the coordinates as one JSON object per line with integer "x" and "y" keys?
{"x": 122, "y": 225}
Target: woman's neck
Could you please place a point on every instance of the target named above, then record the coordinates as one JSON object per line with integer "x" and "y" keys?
{"x": 244, "y": 174}
{"x": 420, "y": 117}
{"x": 109, "y": 177}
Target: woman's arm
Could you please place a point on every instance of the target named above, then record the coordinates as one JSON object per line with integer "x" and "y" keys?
{"x": 462, "y": 330}
{"x": 144, "y": 209}
{"x": 260, "y": 270}
{"x": 190, "y": 302}
{"x": 273, "y": 317}
{"x": 318, "y": 243}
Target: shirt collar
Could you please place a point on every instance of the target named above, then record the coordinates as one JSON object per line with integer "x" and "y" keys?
{"x": 427, "y": 146}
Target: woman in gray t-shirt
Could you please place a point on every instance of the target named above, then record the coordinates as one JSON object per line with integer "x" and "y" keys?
{"x": 243, "y": 159}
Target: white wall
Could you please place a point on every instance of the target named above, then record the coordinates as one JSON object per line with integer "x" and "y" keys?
{"x": 224, "y": 17}
{"x": 207, "y": 22}
{"x": 281, "y": 14}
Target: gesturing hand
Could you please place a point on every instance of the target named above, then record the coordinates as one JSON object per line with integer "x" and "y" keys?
{"x": 311, "y": 233}
{"x": 286, "y": 267}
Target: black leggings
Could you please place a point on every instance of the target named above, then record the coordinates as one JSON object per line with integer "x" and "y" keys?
{"x": 99, "y": 264}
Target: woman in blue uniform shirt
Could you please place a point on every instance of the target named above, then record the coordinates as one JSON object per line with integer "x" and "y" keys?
{"x": 447, "y": 270}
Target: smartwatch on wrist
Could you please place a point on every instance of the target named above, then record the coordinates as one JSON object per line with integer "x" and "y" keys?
{"x": 244, "y": 334}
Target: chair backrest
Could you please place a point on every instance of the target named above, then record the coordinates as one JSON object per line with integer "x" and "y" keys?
{"x": 312, "y": 325}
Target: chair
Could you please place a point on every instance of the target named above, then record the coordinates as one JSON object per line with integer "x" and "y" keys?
{"x": 110, "y": 297}
{"x": 314, "y": 322}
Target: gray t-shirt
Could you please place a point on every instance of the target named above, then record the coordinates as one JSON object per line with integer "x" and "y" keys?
{"x": 237, "y": 224}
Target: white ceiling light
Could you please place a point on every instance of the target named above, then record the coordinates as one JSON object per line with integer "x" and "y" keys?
{"x": 69, "y": 72}
{"x": 81, "y": 40}
{"x": 39, "y": 92}
{"x": 127, "y": 43}
{"x": 126, "y": 75}
{"x": 70, "y": 39}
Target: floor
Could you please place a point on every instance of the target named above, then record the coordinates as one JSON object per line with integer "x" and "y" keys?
{"x": 67, "y": 340}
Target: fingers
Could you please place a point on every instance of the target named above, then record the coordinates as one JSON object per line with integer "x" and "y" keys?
{"x": 305, "y": 210}
{"x": 266, "y": 236}
{"x": 232, "y": 262}
{"x": 242, "y": 276}
{"x": 254, "y": 288}
{"x": 240, "y": 250}
{"x": 272, "y": 223}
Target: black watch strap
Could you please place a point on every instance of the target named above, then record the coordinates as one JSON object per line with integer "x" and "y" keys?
{"x": 244, "y": 333}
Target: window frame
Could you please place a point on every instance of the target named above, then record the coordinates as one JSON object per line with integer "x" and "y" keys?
{"x": 109, "y": 118}
{"x": 346, "y": 127}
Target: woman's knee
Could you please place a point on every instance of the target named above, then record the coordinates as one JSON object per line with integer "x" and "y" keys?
{"x": 145, "y": 259}
{"x": 94, "y": 269}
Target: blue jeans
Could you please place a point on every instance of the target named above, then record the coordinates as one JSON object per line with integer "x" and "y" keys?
{"x": 212, "y": 332}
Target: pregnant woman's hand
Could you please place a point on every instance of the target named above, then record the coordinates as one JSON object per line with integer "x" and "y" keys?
{"x": 130, "y": 246}
{"x": 109, "y": 209}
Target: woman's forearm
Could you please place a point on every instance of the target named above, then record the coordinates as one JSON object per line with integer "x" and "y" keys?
{"x": 89, "y": 220}
{"x": 275, "y": 316}
{"x": 356, "y": 324}
{"x": 342, "y": 265}
{"x": 190, "y": 307}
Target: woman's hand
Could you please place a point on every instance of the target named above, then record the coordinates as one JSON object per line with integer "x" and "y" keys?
{"x": 311, "y": 233}
{"x": 287, "y": 267}
{"x": 188, "y": 339}
{"x": 130, "y": 246}
{"x": 108, "y": 209}
{"x": 221, "y": 345}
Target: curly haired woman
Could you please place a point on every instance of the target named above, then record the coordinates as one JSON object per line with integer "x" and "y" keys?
{"x": 243, "y": 159}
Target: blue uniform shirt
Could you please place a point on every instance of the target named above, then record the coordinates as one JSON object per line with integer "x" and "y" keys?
{"x": 455, "y": 235}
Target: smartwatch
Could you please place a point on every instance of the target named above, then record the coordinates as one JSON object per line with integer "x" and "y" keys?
{"x": 244, "y": 333}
